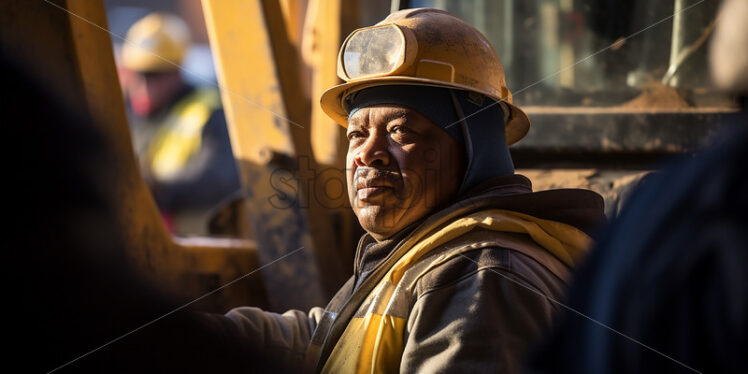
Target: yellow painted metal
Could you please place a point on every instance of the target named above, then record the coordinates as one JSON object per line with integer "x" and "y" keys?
{"x": 333, "y": 256}
{"x": 268, "y": 112}
{"x": 65, "y": 44}
{"x": 94, "y": 77}
{"x": 293, "y": 16}
{"x": 269, "y": 119}
{"x": 320, "y": 46}
{"x": 327, "y": 23}
{"x": 250, "y": 89}
{"x": 209, "y": 263}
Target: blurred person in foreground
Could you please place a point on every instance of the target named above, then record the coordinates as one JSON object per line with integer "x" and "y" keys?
{"x": 72, "y": 300}
{"x": 179, "y": 132}
{"x": 670, "y": 272}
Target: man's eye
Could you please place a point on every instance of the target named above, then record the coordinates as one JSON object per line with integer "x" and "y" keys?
{"x": 398, "y": 129}
{"x": 354, "y": 135}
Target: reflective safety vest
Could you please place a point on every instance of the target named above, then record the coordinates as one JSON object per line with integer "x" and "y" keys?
{"x": 372, "y": 341}
{"x": 180, "y": 137}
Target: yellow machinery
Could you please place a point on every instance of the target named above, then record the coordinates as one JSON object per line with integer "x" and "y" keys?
{"x": 269, "y": 122}
{"x": 66, "y": 44}
{"x": 290, "y": 154}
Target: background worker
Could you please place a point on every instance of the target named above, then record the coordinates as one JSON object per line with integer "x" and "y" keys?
{"x": 179, "y": 131}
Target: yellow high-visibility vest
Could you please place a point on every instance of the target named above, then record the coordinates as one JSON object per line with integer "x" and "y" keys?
{"x": 180, "y": 138}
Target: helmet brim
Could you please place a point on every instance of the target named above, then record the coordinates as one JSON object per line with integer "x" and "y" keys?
{"x": 332, "y": 101}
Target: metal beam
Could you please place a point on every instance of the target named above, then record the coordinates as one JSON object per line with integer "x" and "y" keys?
{"x": 620, "y": 130}
{"x": 268, "y": 115}
{"x": 67, "y": 47}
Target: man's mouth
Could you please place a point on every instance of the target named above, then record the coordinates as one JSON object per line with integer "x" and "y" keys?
{"x": 370, "y": 192}
{"x": 371, "y": 183}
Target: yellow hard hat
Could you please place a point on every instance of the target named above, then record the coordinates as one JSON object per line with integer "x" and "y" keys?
{"x": 422, "y": 47}
{"x": 157, "y": 42}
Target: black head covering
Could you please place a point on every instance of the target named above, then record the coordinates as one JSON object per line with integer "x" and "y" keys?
{"x": 472, "y": 119}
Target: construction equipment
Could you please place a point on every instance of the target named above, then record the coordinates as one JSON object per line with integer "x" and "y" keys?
{"x": 65, "y": 44}
{"x": 275, "y": 59}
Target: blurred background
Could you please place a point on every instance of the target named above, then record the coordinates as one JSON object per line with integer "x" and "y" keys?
{"x": 611, "y": 88}
{"x": 223, "y": 161}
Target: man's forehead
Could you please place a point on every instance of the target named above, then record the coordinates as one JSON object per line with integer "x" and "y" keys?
{"x": 378, "y": 113}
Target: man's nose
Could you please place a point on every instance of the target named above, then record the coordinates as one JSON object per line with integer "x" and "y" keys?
{"x": 374, "y": 151}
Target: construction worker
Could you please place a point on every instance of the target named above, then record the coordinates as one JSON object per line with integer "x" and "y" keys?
{"x": 179, "y": 131}
{"x": 461, "y": 259}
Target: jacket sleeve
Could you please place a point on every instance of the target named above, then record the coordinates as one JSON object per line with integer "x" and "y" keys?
{"x": 483, "y": 321}
{"x": 282, "y": 337}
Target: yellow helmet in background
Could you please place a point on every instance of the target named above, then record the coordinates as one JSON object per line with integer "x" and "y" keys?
{"x": 156, "y": 43}
{"x": 422, "y": 47}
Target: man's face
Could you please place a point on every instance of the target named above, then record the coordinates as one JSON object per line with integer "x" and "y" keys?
{"x": 400, "y": 167}
{"x": 150, "y": 92}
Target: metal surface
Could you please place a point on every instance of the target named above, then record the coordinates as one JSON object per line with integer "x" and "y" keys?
{"x": 327, "y": 23}
{"x": 65, "y": 45}
{"x": 268, "y": 116}
{"x": 208, "y": 264}
{"x": 61, "y": 44}
{"x": 620, "y": 130}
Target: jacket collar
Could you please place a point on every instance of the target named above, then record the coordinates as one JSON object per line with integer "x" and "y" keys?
{"x": 582, "y": 209}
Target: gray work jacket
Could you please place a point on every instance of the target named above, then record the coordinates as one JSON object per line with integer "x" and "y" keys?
{"x": 477, "y": 312}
